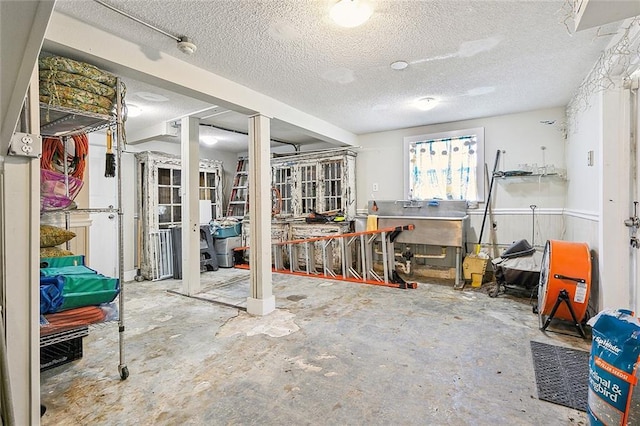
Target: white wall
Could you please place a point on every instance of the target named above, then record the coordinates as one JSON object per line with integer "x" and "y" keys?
{"x": 380, "y": 160}
{"x": 584, "y": 135}
{"x": 584, "y": 191}
{"x": 102, "y": 193}
{"x": 601, "y": 197}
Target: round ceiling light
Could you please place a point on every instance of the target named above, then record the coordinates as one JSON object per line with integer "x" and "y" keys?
{"x": 425, "y": 104}
{"x": 350, "y": 13}
{"x": 133, "y": 110}
{"x": 208, "y": 140}
{"x": 399, "y": 65}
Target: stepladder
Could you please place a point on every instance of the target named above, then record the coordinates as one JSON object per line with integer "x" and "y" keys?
{"x": 239, "y": 198}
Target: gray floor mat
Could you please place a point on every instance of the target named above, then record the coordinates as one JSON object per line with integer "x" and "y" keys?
{"x": 562, "y": 374}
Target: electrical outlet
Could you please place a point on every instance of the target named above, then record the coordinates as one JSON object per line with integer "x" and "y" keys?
{"x": 25, "y": 145}
{"x": 375, "y": 187}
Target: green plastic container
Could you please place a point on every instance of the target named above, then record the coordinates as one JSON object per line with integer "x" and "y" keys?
{"x": 228, "y": 231}
{"x": 67, "y": 270}
{"x": 82, "y": 285}
{"x": 87, "y": 290}
{"x": 56, "y": 262}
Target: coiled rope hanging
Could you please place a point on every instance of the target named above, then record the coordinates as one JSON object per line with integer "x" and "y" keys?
{"x": 53, "y": 155}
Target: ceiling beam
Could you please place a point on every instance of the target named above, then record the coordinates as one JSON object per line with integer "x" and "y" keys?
{"x": 157, "y": 131}
{"x": 128, "y": 59}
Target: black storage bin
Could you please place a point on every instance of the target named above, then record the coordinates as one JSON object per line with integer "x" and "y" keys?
{"x": 60, "y": 353}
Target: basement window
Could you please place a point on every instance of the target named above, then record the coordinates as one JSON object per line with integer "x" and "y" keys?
{"x": 447, "y": 166}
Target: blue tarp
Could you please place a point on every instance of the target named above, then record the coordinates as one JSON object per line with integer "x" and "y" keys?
{"x": 51, "y": 298}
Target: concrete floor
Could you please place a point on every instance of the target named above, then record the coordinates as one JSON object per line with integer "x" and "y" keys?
{"x": 333, "y": 353}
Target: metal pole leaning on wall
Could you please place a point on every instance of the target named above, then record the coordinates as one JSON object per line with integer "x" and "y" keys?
{"x": 533, "y": 224}
{"x": 486, "y": 207}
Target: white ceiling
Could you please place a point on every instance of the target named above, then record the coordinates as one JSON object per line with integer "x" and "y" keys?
{"x": 478, "y": 58}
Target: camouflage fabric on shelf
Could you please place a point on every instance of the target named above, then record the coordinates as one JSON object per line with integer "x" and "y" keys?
{"x": 51, "y": 236}
{"x": 65, "y": 92}
{"x": 54, "y": 252}
{"x": 74, "y": 67}
{"x": 74, "y": 104}
{"x": 78, "y": 81}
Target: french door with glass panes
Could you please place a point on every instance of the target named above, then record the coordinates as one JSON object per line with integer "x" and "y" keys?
{"x": 169, "y": 199}
{"x": 313, "y": 184}
{"x": 282, "y": 180}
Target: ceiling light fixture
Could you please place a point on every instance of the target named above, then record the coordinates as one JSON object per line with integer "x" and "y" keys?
{"x": 350, "y": 13}
{"x": 133, "y": 110}
{"x": 399, "y": 65}
{"x": 425, "y": 104}
{"x": 184, "y": 44}
{"x": 208, "y": 140}
{"x": 151, "y": 97}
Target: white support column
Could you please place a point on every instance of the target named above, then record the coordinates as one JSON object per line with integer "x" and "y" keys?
{"x": 261, "y": 301}
{"x": 20, "y": 239}
{"x": 190, "y": 206}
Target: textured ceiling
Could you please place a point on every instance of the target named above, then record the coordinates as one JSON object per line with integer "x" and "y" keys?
{"x": 479, "y": 58}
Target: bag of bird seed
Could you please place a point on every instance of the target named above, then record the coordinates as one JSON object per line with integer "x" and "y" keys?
{"x": 614, "y": 398}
